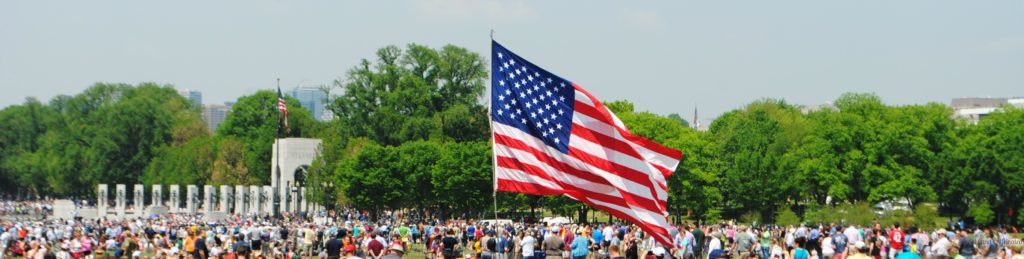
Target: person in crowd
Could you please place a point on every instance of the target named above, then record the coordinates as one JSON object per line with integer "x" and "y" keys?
{"x": 580, "y": 246}
{"x": 395, "y": 252}
{"x": 799, "y": 252}
{"x": 827, "y": 247}
{"x": 744, "y": 243}
{"x": 966, "y": 246}
{"x": 859, "y": 251}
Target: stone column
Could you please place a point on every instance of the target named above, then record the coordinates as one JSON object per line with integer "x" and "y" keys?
{"x": 209, "y": 202}
{"x": 241, "y": 200}
{"x": 255, "y": 200}
{"x": 139, "y": 200}
{"x": 302, "y": 200}
{"x": 121, "y": 196}
{"x": 158, "y": 197}
{"x": 226, "y": 199}
{"x": 296, "y": 198}
{"x": 102, "y": 198}
{"x": 268, "y": 203}
{"x": 192, "y": 199}
{"x": 175, "y": 198}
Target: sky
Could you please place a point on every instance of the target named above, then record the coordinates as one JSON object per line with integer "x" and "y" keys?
{"x": 664, "y": 56}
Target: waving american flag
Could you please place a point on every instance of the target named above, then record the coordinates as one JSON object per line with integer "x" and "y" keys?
{"x": 551, "y": 137}
{"x": 282, "y": 107}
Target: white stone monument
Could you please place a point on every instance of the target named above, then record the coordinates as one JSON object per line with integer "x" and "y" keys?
{"x": 102, "y": 198}
{"x": 157, "y": 207}
{"x": 158, "y": 197}
{"x": 226, "y": 199}
{"x": 268, "y": 201}
{"x": 254, "y": 200}
{"x": 192, "y": 200}
{"x": 209, "y": 202}
{"x": 139, "y": 200}
{"x": 121, "y": 200}
{"x": 296, "y": 154}
{"x": 241, "y": 199}
{"x": 175, "y": 198}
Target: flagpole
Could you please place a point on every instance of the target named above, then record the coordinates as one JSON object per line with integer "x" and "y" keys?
{"x": 494, "y": 158}
{"x": 277, "y": 154}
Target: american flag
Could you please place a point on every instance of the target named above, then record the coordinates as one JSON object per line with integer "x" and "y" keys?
{"x": 552, "y": 137}
{"x": 282, "y": 107}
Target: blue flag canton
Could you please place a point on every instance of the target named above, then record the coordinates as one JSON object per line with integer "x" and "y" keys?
{"x": 529, "y": 98}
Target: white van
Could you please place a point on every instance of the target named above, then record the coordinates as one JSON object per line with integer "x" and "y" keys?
{"x": 498, "y": 222}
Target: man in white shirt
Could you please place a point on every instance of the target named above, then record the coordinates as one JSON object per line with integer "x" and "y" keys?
{"x": 852, "y": 235}
{"x": 941, "y": 246}
{"x": 527, "y": 245}
{"x": 5, "y": 236}
{"x": 608, "y": 232}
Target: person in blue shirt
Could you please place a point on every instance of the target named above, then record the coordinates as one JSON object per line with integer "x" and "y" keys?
{"x": 906, "y": 254}
{"x": 598, "y": 236}
{"x": 581, "y": 246}
{"x": 502, "y": 246}
{"x": 814, "y": 240}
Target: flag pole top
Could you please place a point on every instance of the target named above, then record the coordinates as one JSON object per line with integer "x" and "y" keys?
{"x": 492, "y": 34}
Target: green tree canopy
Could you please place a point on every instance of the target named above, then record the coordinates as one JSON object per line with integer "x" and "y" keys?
{"x": 254, "y": 120}
{"x": 415, "y": 94}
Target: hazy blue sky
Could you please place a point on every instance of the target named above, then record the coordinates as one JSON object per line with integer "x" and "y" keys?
{"x": 665, "y": 56}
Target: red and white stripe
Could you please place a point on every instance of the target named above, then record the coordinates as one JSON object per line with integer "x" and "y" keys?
{"x": 283, "y": 108}
{"x": 607, "y": 167}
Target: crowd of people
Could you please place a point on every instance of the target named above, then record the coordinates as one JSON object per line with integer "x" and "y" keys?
{"x": 352, "y": 234}
{"x": 25, "y": 208}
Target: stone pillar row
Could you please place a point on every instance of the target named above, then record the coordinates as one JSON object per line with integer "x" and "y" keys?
{"x": 236, "y": 200}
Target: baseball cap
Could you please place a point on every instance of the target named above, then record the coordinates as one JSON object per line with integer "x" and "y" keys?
{"x": 859, "y": 245}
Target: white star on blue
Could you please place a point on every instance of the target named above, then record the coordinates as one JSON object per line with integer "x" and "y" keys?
{"x": 547, "y": 120}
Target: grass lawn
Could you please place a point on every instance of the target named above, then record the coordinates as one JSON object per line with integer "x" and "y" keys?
{"x": 416, "y": 251}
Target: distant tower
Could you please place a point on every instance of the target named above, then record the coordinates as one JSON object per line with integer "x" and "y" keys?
{"x": 196, "y": 97}
{"x": 313, "y": 99}
{"x": 696, "y": 120}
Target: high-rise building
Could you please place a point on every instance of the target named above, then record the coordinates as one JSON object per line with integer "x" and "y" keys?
{"x": 214, "y": 115}
{"x": 974, "y": 108}
{"x": 196, "y": 97}
{"x": 312, "y": 99}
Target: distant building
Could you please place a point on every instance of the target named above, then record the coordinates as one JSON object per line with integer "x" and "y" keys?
{"x": 196, "y": 97}
{"x": 814, "y": 108}
{"x": 974, "y": 108}
{"x": 214, "y": 114}
{"x": 312, "y": 99}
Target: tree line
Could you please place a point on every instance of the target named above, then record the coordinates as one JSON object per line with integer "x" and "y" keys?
{"x": 411, "y": 131}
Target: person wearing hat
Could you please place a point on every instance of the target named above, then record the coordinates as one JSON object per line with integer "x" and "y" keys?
{"x": 941, "y": 246}
{"x": 580, "y": 246}
{"x": 396, "y": 252}
{"x": 553, "y": 245}
{"x": 859, "y": 251}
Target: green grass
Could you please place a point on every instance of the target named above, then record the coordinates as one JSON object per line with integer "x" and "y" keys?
{"x": 416, "y": 251}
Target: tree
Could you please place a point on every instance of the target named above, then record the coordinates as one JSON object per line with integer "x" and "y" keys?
{"x": 786, "y": 217}
{"x": 416, "y": 162}
{"x": 462, "y": 176}
{"x": 370, "y": 181}
{"x": 20, "y": 135}
{"x": 416, "y": 94}
{"x": 229, "y": 167}
{"x": 981, "y": 213}
{"x": 254, "y": 120}
{"x": 182, "y": 164}
{"x": 752, "y": 143}
{"x": 109, "y": 133}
